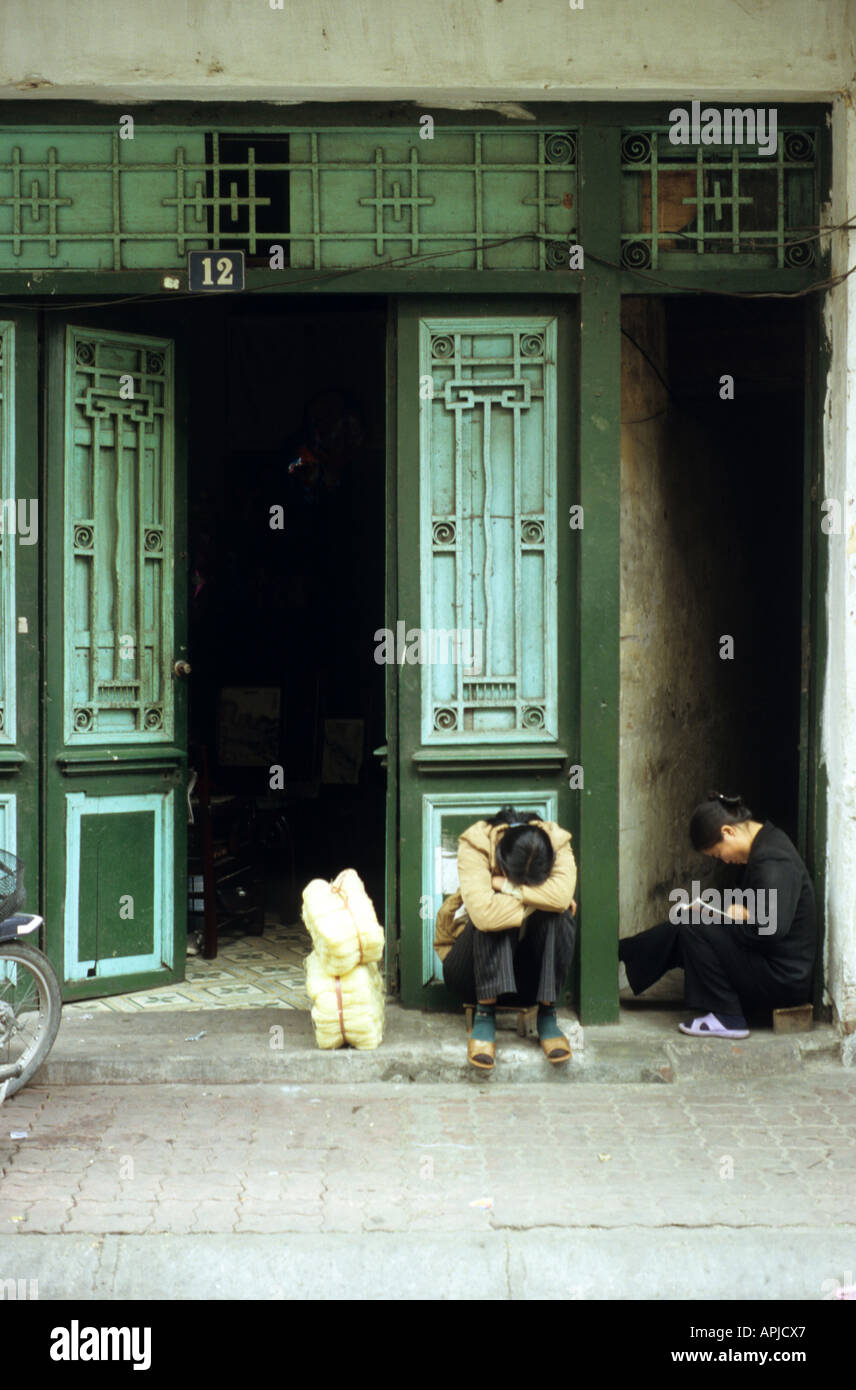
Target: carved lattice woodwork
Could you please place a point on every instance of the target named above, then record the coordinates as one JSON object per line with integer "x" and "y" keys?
{"x": 488, "y": 529}
{"x": 118, "y": 518}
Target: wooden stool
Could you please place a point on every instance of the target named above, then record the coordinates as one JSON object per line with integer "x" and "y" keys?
{"x": 524, "y": 1015}
{"x": 799, "y": 1019}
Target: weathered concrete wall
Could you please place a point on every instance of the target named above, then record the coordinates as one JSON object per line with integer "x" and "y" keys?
{"x": 682, "y": 566}
{"x": 449, "y": 52}
{"x": 839, "y": 710}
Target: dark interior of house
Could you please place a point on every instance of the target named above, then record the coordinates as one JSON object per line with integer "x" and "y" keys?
{"x": 753, "y": 534}
{"x": 286, "y": 444}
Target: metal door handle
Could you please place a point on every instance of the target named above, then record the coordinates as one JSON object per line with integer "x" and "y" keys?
{"x": 181, "y": 668}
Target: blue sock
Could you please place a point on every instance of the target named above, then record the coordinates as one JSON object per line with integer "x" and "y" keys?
{"x": 548, "y": 1024}
{"x": 731, "y": 1020}
{"x": 484, "y": 1023}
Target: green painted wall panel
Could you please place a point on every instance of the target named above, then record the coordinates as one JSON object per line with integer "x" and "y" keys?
{"x": 116, "y": 903}
{"x": 119, "y": 905}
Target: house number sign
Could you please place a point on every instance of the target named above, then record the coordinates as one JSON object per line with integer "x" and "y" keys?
{"x": 216, "y": 270}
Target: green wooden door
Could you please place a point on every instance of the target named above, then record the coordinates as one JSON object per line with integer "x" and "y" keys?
{"x": 485, "y": 640}
{"x": 114, "y": 756}
{"x": 21, "y": 526}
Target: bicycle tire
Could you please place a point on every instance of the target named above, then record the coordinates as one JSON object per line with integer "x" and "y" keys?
{"x": 50, "y": 1006}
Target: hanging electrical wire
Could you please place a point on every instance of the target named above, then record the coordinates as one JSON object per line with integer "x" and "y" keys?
{"x": 414, "y": 261}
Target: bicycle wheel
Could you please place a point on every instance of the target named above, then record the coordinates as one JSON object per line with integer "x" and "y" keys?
{"x": 30, "y": 1008}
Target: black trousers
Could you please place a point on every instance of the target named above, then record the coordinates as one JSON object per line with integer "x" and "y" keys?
{"x": 498, "y": 965}
{"x": 722, "y": 974}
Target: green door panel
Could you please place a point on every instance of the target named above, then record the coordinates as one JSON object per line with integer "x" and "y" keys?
{"x": 119, "y": 867}
{"x": 21, "y": 528}
{"x": 485, "y": 640}
{"x": 115, "y": 717}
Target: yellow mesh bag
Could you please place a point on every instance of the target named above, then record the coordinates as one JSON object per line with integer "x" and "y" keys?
{"x": 345, "y": 1008}
{"x": 342, "y": 923}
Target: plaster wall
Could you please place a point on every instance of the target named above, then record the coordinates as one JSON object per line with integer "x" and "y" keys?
{"x": 449, "y": 52}
{"x": 680, "y": 731}
{"x": 839, "y": 707}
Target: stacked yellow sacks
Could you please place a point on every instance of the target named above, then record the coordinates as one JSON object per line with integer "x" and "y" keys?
{"x": 342, "y": 923}
{"x": 342, "y": 977}
{"x": 345, "y": 1008}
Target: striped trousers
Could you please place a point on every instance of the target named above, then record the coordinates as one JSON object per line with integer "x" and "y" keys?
{"x": 490, "y": 964}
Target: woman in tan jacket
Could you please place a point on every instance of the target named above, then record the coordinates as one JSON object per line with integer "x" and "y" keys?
{"x": 509, "y": 929}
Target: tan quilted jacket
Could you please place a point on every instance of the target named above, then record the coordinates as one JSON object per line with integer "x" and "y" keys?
{"x": 491, "y": 909}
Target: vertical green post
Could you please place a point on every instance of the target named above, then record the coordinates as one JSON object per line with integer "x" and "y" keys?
{"x": 599, "y": 559}
{"x": 392, "y": 917}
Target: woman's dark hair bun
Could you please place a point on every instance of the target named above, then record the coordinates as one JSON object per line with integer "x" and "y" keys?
{"x": 733, "y": 801}
{"x": 708, "y": 819}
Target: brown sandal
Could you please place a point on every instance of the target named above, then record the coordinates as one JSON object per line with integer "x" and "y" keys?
{"x": 481, "y": 1054}
{"x": 556, "y": 1049}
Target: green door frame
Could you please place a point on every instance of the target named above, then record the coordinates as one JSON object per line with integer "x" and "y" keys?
{"x": 21, "y": 654}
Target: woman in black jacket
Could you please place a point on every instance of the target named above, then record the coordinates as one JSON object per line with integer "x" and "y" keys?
{"x": 761, "y": 955}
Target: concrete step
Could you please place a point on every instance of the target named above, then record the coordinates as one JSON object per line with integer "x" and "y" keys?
{"x": 271, "y": 1044}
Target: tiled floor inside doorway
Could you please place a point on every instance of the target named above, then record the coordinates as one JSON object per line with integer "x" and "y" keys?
{"x": 247, "y": 972}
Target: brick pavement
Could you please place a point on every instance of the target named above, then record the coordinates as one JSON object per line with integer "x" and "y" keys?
{"x": 266, "y": 1158}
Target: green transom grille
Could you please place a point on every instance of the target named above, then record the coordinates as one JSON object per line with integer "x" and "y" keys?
{"x": 684, "y": 203}
{"x": 330, "y": 199}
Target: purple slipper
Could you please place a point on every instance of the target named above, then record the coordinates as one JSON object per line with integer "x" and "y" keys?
{"x": 710, "y": 1027}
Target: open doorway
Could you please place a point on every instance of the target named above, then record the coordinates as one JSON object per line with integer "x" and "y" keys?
{"x": 713, "y": 461}
{"x": 287, "y": 534}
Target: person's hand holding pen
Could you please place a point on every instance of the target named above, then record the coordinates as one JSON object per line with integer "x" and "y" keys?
{"x": 736, "y": 913}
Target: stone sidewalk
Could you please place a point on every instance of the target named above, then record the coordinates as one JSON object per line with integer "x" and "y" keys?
{"x": 705, "y": 1190}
